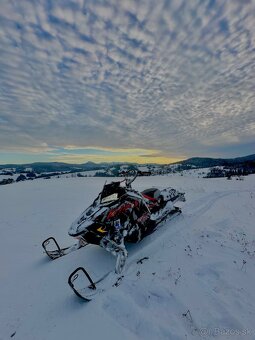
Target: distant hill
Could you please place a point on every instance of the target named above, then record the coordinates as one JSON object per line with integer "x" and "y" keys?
{"x": 196, "y": 162}
{"x": 204, "y": 162}
{"x": 54, "y": 167}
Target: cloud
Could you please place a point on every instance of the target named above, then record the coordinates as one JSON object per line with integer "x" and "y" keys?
{"x": 174, "y": 76}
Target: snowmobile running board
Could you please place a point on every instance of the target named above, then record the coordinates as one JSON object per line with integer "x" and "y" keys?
{"x": 57, "y": 251}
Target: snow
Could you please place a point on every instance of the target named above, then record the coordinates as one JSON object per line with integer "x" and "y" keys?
{"x": 143, "y": 168}
{"x": 197, "y": 283}
{"x": 14, "y": 176}
{"x": 197, "y": 172}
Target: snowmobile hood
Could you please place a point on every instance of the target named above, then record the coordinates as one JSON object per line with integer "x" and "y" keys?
{"x": 86, "y": 219}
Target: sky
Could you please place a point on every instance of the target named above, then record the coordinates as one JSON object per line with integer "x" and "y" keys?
{"x": 134, "y": 80}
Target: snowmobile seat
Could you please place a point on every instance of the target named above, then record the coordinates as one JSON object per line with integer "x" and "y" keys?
{"x": 153, "y": 193}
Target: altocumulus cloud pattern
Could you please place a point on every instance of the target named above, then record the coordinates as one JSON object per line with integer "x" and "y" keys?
{"x": 173, "y": 76}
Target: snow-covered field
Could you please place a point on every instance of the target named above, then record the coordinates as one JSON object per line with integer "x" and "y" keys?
{"x": 199, "y": 280}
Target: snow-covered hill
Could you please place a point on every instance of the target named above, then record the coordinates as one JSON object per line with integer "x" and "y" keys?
{"x": 198, "y": 281}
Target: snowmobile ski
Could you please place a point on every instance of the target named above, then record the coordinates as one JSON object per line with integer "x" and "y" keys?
{"x": 53, "y": 250}
{"x": 85, "y": 288}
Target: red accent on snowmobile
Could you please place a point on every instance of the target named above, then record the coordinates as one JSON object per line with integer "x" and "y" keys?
{"x": 152, "y": 199}
{"x": 117, "y": 211}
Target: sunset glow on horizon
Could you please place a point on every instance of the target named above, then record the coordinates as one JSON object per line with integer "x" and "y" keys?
{"x": 132, "y": 81}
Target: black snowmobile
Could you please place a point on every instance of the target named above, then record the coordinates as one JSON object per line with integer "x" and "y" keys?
{"x": 118, "y": 215}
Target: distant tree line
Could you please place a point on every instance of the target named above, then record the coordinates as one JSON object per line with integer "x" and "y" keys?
{"x": 244, "y": 169}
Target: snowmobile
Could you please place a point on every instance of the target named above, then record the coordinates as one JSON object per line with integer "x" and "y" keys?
{"x": 118, "y": 215}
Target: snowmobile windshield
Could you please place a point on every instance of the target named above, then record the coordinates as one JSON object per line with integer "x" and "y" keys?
{"x": 112, "y": 192}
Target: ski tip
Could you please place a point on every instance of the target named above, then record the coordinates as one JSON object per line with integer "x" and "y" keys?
{"x": 80, "y": 272}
